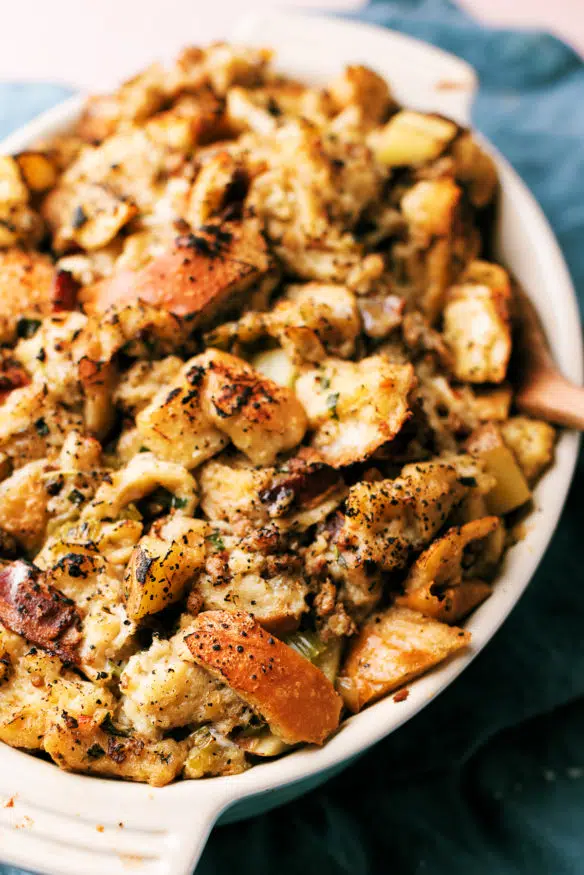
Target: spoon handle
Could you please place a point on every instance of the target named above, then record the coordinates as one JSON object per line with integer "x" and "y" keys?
{"x": 543, "y": 392}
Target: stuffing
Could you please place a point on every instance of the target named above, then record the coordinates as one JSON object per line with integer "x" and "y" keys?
{"x": 298, "y": 702}
{"x": 267, "y": 583}
{"x": 26, "y": 292}
{"x": 141, "y": 476}
{"x": 31, "y": 606}
{"x": 429, "y": 206}
{"x": 23, "y": 505}
{"x": 329, "y": 311}
{"x": 106, "y": 632}
{"x": 104, "y": 188}
{"x": 359, "y": 86}
{"x": 163, "y": 688}
{"x": 199, "y": 276}
{"x": 38, "y": 689}
{"x": 297, "y": 493}
{"x": 391, "y": 649}
{"x": 214, "y": 754}
{"x": 260, "y": 417}
{"x": 160, "y": 568}
{"x": 532, "y": 442}
{"x": 258, "y": 443}
{"x": 84, "y": 746}
{"x": 175, "y": 425}
{"x": 216, "y": 398}
{"x": 20, "y": 224}
{"x": 354, "y": 408}
{"x": 440, "y": 582}
{"x": 140, "y": 383}
{"x": 383, "y": 523}
{"x": 476, "y": 324}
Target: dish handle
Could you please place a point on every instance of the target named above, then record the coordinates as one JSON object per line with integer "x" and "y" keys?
{"x": 158, "y": 834}
{"x": 187, "y": 836}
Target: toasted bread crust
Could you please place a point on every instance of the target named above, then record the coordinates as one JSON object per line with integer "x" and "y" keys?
{"x": 392, "y": 648}
{"x": 294, "y": 696}
{"x": 199, "y": 275}
{"x": 26, "y": 288}
{"x": 31, "y": 607}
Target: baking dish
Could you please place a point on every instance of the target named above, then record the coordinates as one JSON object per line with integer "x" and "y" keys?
{"x": 65, "y": 824}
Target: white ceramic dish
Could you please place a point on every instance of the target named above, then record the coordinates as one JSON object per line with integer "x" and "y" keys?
{"x": 52, "y": 825}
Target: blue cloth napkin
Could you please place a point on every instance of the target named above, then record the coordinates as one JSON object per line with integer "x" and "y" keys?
{"x": 489, "y": 779}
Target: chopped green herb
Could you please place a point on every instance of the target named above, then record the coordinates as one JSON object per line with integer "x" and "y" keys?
{"x": 95, "y": 752}
{"x": 41, "y": 427}
{"x": 216, "y": 540}
{"x": 178, "y": 503}
{"x": 26, "y": 328}
{"x": 108, "y": 726}
{"x": 143, "y": 450}
{"x": 331, "y": 403}
{"x": 467, "y": 481}
{"x": 115, "y": 669}
{"x": 339, "y": 557}
{"x": 325, "y": 383}
{"x": 76, "y": 497}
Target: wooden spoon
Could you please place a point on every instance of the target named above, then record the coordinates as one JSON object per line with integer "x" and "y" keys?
{"x": 542, "y": 390}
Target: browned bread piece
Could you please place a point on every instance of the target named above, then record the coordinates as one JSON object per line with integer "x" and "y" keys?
{"x": 41, "y": 613}
{"x": 81, "y": 745}
{"x": 26, "y": 289}
{"x": 201, "y": 274}
{"x": 295, "y": 698}
{"x": 393, "y": 648}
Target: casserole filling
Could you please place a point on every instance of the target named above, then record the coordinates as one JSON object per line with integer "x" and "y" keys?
{"x": 258, "y": 453}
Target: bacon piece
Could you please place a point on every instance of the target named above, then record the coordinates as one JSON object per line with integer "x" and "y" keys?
{"x": 33, "y": 608}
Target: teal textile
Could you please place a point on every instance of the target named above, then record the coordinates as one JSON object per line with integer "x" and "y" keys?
{"x": 489, "y": 779}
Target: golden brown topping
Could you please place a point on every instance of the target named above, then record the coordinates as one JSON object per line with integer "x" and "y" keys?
{"x": 33, "y": 608}
{"x": 392, "y": 648}
{"x": 294, "y": 696}
{"x": 199, "y": 276}
{"x": 26, "y": 292}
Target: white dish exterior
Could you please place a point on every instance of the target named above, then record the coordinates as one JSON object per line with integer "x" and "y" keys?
{"x": 52, "y": 825}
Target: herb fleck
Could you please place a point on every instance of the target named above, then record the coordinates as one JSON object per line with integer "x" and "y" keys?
{"x": 27, "y": 328}
{"x": 216, "y": 540}
{"x": 41, "y": 427}
{"x": 95, "y": 752}
{"x": 108, "y": 726}
{"x": 331, "y": 403}
{"x": 76, "y": 497}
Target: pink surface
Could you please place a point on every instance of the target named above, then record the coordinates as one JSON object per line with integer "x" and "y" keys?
{"x": 92, "y": 45}
{"x": 564, "y": 18}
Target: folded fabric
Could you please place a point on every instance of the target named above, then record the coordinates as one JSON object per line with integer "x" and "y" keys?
{"x": 488, "y": 780}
